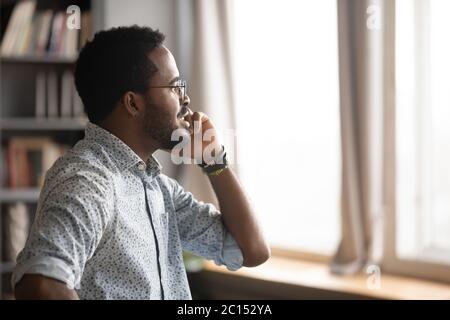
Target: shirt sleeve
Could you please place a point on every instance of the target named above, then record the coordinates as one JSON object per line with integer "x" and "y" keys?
{"x": 68, "y": 226}
{"x": 202, "y": 231}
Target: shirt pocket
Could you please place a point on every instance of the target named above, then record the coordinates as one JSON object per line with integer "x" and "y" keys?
{"x": 164, "y": 224}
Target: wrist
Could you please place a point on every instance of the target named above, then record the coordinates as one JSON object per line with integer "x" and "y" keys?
{"x": 216, "y": 164}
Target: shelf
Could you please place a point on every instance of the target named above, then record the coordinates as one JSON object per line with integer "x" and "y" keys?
{"x": 300, "y": 277}
{"x": 38, "y": 59}
{"x": 7, "y": 267}
{"x": 31, "y": 124}
{"x": 7, "y": 3}
{"x": 13, "y": 195}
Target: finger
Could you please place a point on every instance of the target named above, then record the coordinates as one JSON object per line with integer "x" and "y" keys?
{"x": 196, "y": 116}
{"x": 188, "y": 118}
{"x": 189, "y": 114}
{"x": 197, "y": 121}
{"x": 200, "y": 116}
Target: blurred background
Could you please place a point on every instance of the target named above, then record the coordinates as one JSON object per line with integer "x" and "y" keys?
{"x": 333, "y": 111}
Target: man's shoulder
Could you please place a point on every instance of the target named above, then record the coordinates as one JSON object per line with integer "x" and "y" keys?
{"x": 79, "y": 163}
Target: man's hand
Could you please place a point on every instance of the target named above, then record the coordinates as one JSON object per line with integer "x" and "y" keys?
{"x": 37, "y": 287}
{"x": 237, "y": 213}
{"x": 203, "y": 135}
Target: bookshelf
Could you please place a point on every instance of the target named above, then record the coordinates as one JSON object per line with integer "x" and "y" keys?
{"x": 33, "y": 124}
{"x": 31, "y": 59}
{"x": 23, "y": 195}
{"x": 41, "y": 115}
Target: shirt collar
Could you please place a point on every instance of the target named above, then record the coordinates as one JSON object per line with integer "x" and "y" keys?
{"x": 119, "y": 151}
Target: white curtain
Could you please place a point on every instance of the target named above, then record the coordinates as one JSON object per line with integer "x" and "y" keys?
{"x": 361, "y": 31}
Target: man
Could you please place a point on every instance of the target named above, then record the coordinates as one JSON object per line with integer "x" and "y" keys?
{"x": 109, "y": 225}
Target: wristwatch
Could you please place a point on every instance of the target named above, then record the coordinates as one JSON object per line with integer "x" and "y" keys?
{"x": 217, "y": 165}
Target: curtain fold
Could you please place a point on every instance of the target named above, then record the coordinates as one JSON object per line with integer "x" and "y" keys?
{"x": 360, "y": 27}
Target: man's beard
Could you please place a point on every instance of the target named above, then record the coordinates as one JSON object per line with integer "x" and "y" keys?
{"x": 159, "y": 126}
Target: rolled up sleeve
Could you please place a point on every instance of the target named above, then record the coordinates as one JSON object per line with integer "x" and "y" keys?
{"x": 69, "y": 223}
{"x": 48, "y": 266}
{"x": 202, "y": 231}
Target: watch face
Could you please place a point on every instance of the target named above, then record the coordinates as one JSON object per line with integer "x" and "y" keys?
{"x": 217, "y": 160}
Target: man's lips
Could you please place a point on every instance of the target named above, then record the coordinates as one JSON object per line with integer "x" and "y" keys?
{"x": 181, "y": 115}
{"x": 184, "y": 112}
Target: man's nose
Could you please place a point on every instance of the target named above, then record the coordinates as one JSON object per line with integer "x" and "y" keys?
{"x": 186, "y": 101}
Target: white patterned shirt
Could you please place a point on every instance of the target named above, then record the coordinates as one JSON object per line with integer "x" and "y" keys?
{"x": 114, "y": 227}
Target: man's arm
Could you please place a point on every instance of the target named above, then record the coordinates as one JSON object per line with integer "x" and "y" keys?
{"x": 239, "y": 218}
{"x": 34, "y": 287}
{"x": 67, "y": 229}
{"x": 237, "y": 213}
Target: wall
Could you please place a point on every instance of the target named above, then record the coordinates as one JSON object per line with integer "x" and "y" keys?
{"x": 157, "y": 14}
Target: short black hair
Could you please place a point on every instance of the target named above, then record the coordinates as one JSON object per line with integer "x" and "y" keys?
{"x": 114, "y": 62}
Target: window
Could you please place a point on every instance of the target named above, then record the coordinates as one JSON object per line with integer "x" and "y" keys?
{"x": 286, "y": 57}
{"x": 423, "y": 130}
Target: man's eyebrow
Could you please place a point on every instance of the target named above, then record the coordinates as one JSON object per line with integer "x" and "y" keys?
{"x": 174, "y": 80}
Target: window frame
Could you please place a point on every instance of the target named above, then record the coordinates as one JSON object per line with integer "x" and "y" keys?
{"x": 391, "y": 262}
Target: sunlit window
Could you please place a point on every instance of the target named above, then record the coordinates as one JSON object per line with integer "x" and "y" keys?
{"x": 286, "y": 57}
{"x": 423, "y": 129}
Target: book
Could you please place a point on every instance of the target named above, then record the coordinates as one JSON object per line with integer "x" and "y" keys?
{"x": 30, "y": 47}
{"x": 15, "y": 227}
{"x": 78, "y": 108}
{"x": 8, "y": 38}
{"x": 4, "y": 166}
{"x": 70, "y": 47}
{"x": 52, "y": 94}
{"x": 44, "y": 31}
{"x": 28, "y": 33}
{"x": 67, "y": 84}
{"x": 17, "y": 26}
{"x": 40, "y": 95}
{"x": 25, "y": 19}
{"x": 12, "y": 166}
{"x": 86, "y": 28}
{"x": 29, "y": 158}
{"x": 58, "y": 26}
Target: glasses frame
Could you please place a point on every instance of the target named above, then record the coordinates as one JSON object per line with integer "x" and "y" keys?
{"x": 182, "y": 85}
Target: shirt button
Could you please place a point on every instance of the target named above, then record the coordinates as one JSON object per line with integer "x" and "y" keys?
{"x": 141, "y": 166}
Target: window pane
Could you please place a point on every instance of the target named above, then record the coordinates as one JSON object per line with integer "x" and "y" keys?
{"x": 288, "y": 118}
{"x": 423, "y": 130}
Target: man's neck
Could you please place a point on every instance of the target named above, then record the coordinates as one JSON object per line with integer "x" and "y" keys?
{"x": 143, "y": 148}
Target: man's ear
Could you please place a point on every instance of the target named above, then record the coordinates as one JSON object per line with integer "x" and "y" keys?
{"x": 133, "y": 103}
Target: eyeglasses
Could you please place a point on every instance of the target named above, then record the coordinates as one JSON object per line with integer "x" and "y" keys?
{"x": 180, "y": 88}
